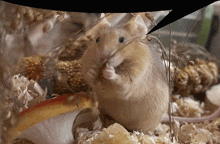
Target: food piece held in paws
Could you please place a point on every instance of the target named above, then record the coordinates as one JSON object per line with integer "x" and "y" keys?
{"x": 109, "y": 72}
{"x": 131, "y": 87}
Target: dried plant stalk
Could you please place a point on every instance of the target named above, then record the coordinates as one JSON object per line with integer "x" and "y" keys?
{"x": 22, "y": 16}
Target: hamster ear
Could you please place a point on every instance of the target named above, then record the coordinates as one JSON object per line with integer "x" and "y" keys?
{"x": 104, "y": 21}
{"x": 137, "y": 26}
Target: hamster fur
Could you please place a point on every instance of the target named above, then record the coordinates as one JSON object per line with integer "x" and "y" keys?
{"x": 133, "y": 89}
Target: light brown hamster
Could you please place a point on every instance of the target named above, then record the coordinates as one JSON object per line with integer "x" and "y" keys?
{"x": 132, "y": 87}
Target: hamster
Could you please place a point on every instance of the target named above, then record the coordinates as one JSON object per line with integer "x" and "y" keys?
{"x": 131, "y": 87}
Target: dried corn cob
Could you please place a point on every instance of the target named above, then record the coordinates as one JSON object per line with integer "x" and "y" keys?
{"x": 31, "y": 67}
{"x": 72, "y": 71}
{"x": 195, "y": 78}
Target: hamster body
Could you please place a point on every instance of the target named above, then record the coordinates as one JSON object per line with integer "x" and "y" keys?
{"x": 133, "y": 89}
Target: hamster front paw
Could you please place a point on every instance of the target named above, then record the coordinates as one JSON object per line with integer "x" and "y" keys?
{"x": 109, "y": 72}
{"x": 92, "y": 74}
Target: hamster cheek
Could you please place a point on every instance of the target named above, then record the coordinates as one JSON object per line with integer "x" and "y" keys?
{"x": 109, "y": 72}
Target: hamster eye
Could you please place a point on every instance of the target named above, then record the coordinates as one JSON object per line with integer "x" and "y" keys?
{"x": 121, "y": 39}
{"x": 98, "y": 39}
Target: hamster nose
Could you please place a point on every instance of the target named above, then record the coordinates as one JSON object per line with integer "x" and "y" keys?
{"x": 103, "y": 54}
{"x": 103, "y": 57}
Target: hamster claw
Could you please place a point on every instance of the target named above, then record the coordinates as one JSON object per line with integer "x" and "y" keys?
{"x": 92, "y": 73}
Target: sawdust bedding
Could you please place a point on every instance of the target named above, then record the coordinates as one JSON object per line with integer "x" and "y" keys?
{"x": 182, "y": 133}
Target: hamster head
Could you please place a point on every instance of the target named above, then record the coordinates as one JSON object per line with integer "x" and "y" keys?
{"x": 107, "y": 39}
